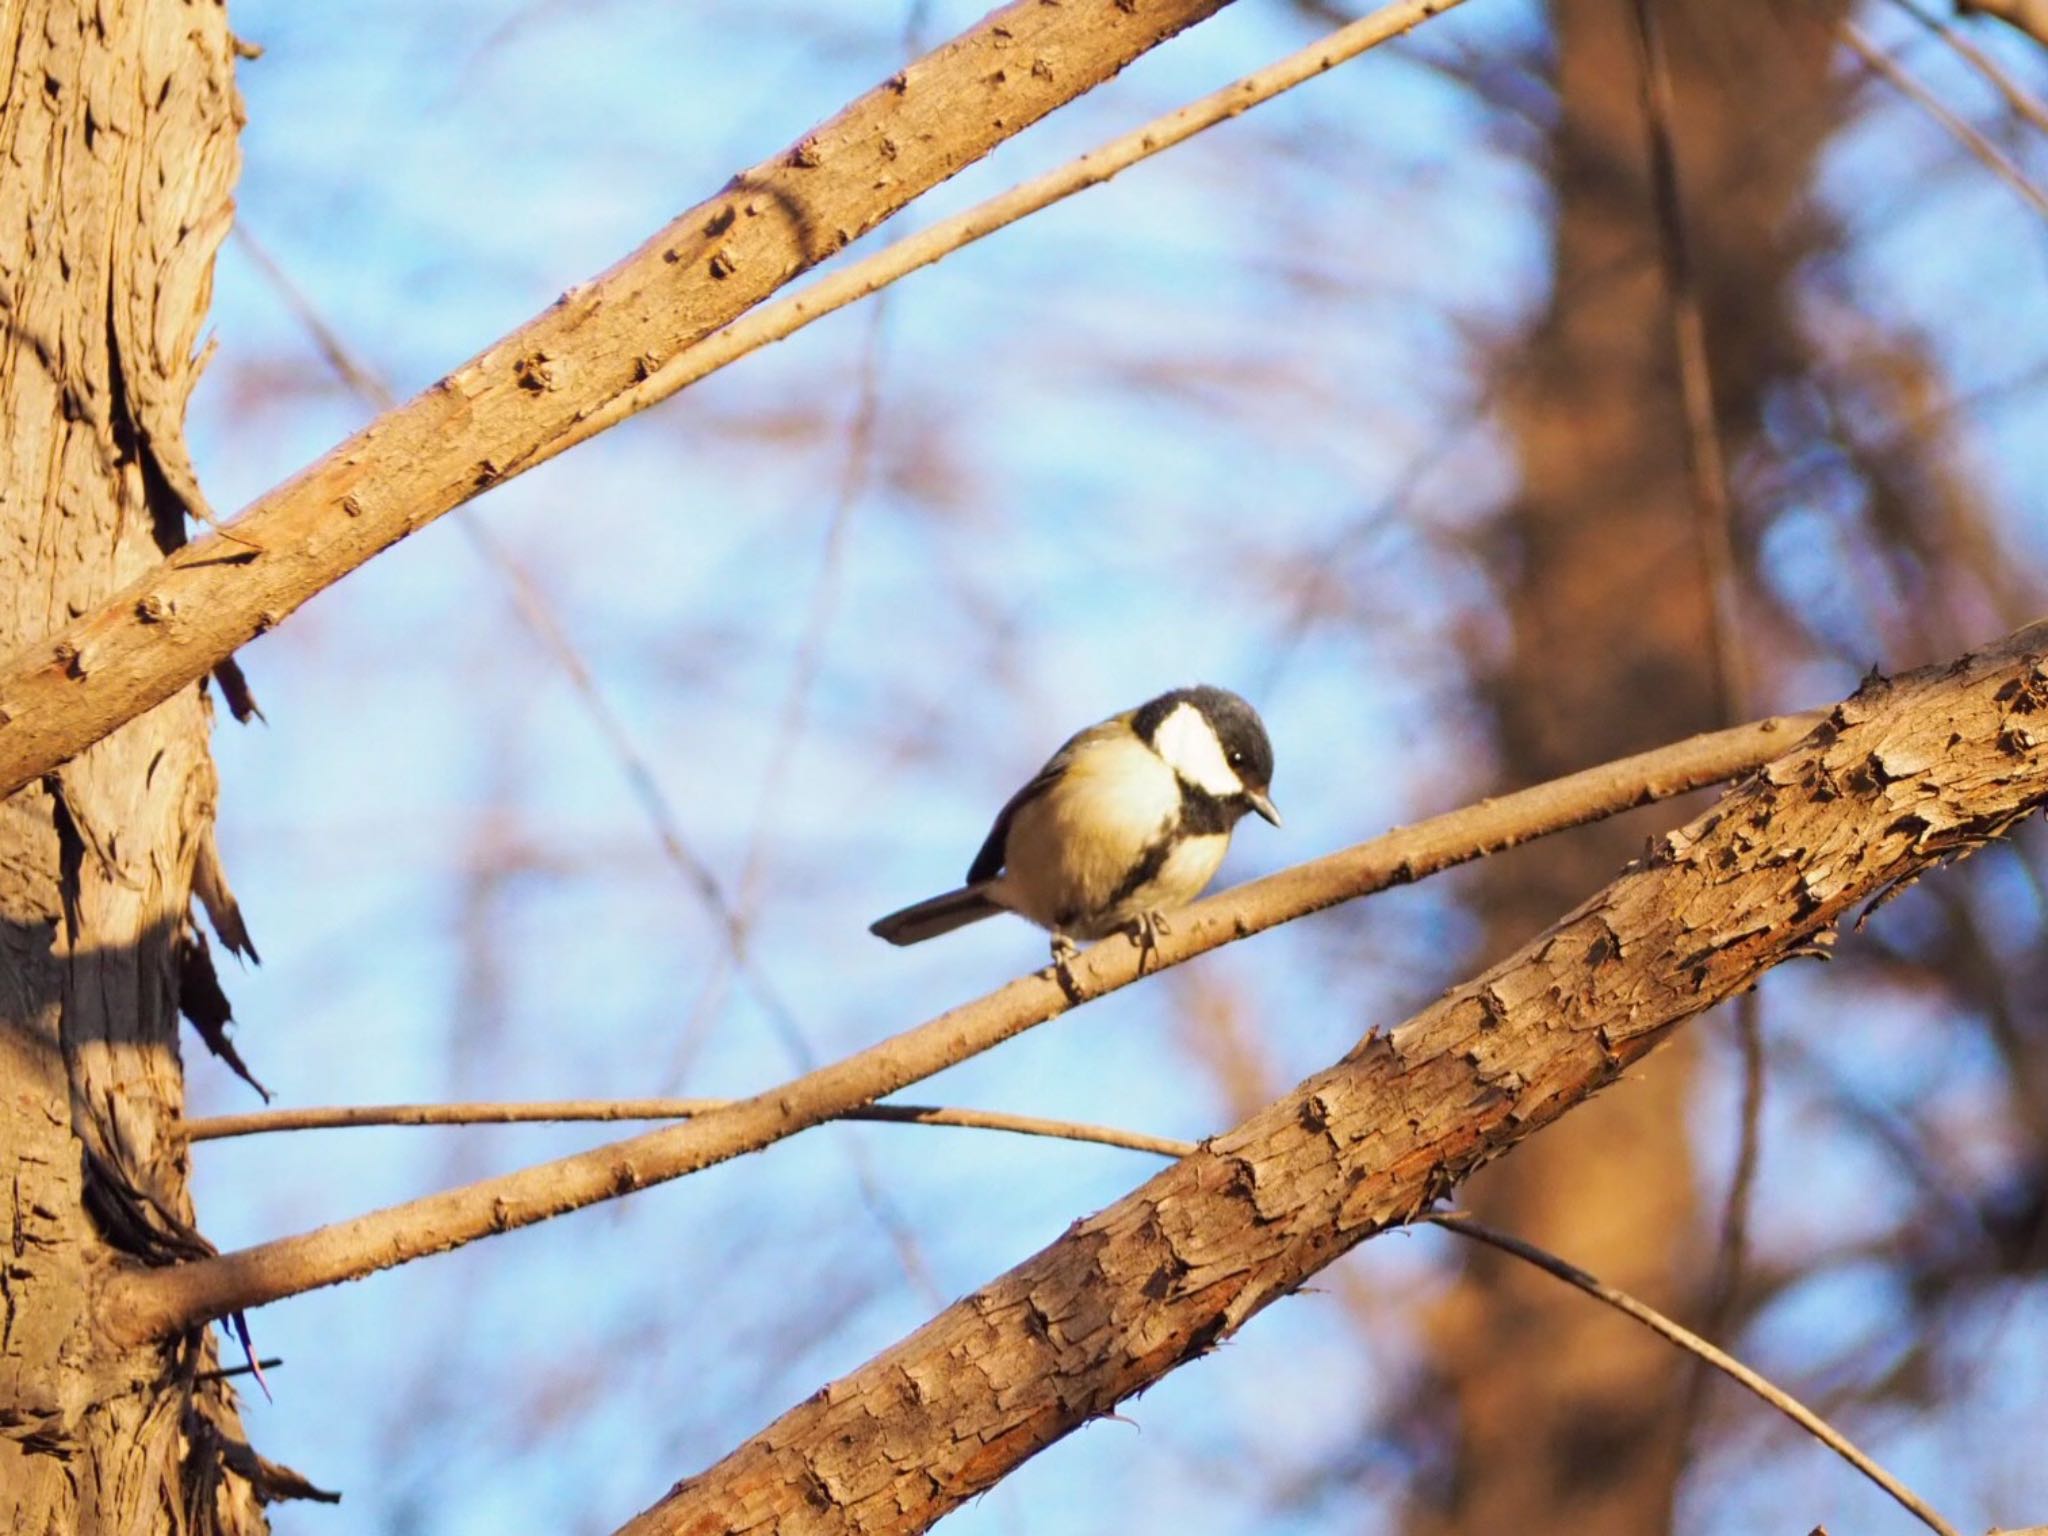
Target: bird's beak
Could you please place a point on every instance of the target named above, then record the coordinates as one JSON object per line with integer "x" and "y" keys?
{"x": 1263, "y": 804}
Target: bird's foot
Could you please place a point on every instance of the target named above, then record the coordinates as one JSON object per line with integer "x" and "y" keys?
{"x": 1144, "y": 930}
{"x": 1063, "y": 951}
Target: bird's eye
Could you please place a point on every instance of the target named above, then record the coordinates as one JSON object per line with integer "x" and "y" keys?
{"x": 1236, "y": 759}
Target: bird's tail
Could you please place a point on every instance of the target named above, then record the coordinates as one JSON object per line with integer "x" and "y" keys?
{"x": 941, "y": 914}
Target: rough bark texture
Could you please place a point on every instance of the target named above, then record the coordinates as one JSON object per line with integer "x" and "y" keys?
{"x": 503, "y": 410}
{"x": 1562, "y": 1416}
{"x": 1902, "y": 776}
{"x": 117, "y": 156}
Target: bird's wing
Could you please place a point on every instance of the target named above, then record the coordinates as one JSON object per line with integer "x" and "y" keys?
{"x": 989, "y": 862}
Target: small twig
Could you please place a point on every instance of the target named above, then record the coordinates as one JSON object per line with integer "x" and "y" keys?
{"x": 854, "y": 475}
{"x": 1964, "y": 133}
{"x": 563, "y": 1111}
{"x": 1466, "y": 1226}
{"x": 738, "y": 919}
{"x": 1731, "y": 1253}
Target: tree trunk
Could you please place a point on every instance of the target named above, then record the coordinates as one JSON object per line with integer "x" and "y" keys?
{"x": 1563, "y": 1413}
{"x": 118, "y": 143}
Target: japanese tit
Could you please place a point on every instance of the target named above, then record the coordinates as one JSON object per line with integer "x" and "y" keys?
{"x": 1127, "y": 821}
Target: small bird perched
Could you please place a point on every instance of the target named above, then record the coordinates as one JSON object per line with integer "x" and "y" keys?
{"x": 1127, "y": 821}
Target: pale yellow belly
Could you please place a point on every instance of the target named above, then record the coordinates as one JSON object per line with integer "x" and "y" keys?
{"x": 1187, "y": 870}
{"x": 1075, "y": 888}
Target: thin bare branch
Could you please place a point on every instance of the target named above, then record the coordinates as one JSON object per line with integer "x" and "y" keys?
{"x": 163, "y": 1301}
{"x": 855, "y": 472}
{"x": 517, "y": 403}
{"x": 565, "y": 1111}
{"x": 1467, "y": 1226}
{"x": 1964, "y": 133}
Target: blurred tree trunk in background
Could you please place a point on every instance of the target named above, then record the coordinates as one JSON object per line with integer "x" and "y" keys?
{"x": 1565, "y": 1415}
{"x": 119, "y": 144}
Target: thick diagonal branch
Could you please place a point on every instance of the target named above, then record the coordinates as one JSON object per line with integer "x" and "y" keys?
{"x": 1902, "y": 777}
{"x": 158, "y": 1303}
{"x": 503, "y": 408}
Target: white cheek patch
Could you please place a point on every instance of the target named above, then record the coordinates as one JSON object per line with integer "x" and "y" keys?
{"x": 1188, "y": 743}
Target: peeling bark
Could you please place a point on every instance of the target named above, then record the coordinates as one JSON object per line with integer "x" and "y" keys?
{"x": 117, "y": 155}
{"x": 1901, "y": 778}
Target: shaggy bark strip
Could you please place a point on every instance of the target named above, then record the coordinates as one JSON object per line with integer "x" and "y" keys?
{"x": 1902, "y": 777}
{"x": 158, "y": 1303}
{"x": 118, "y": 156}
{"x": 496, "y": 413}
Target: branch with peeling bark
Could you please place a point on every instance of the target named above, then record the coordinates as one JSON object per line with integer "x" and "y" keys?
{"x": 1900, "y": 778}
{"x": 158, "y": 1303}
{"x": 634, "y": 336}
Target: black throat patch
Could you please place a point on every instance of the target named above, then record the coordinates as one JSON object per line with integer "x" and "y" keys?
{"x": 1203, "y": 814}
